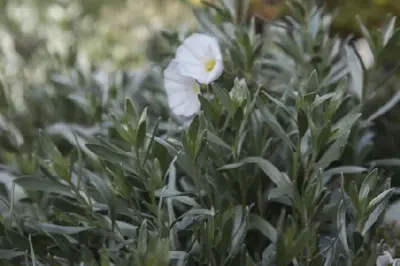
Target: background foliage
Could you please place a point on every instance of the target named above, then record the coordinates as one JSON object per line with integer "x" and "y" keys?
{"x": 291, "y": 161}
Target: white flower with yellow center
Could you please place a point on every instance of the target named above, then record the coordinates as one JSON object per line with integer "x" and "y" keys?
{"x": 181, "y": 91}
{"x": 200, "y": 57}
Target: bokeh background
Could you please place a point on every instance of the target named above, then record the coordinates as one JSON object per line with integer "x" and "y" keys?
{"x": 109, "y": 32}
{"x": 113, "y": 33}
{"x": 39, "y": 35}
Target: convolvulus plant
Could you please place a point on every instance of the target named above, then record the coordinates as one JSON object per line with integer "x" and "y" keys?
{"x": 238, "y": 148}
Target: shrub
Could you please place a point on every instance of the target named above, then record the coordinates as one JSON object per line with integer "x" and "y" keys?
{"x": 278, "y": 165}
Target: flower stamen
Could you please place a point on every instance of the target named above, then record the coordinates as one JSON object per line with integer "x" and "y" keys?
{"x": 196, "y": 88}
{"x": 209, "y": 65}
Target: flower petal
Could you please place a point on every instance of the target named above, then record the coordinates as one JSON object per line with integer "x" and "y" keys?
{"x": 193, "y": 54}
{"x": 182, "y": 98}
{"x": 216, "y": 72}
{"x": 384, "y": 260}
{"x": 202, "y": 45}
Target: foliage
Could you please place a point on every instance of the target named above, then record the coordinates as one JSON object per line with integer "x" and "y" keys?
{"x": 281, "y": 167}
{"x": 371, "y": 12}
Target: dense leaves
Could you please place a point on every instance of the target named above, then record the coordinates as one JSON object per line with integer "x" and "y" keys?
{"x": 277, "y": 168}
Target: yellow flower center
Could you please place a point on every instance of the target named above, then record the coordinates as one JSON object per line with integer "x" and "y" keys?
{"x": 209, "y": 65}
{"x": 196, "y": 87}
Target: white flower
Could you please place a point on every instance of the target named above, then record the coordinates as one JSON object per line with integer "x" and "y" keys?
{"x": 181, "y": 91}
{"x": 364, "y": 50}
{"x": 200, "y": 57}
{"x": 386, "y": 260}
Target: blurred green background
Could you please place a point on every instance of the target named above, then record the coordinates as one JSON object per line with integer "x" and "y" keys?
{"x": 108, "y": 32}
{"x": 38, "y": 36}
{"x": 41, "y": 36}
{"x": 113, "y": 33}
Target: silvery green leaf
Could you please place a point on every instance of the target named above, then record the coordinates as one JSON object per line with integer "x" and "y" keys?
{"x": 364, "y": 30}
{"x": 378, "y": 199}
{"x": 327, "y": 174}
{"x": 341, "y": 224}
{"x": 258, "y": 223}
{"x": 280, "y": 179}
{"x": 231, "y": 5}
{"x": 176, "y": 195}
{"x": 270, "y": 119}
{"x": 334, "y": 152}
{"x": 209, "y": 26}
{"x": 373, "y": 217}
{"x": 368, "y": 184}
{"x": 388, "y": 31}
{"x": 385, "y": 108}
{"x": 45, "y": 185}
{"x": 356, "y": 73}
{"x": 8, "y": 254}
{"x": 393, "y": 162}
{"x": 58, "y": 229}
{"x": 239, "y": 229}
